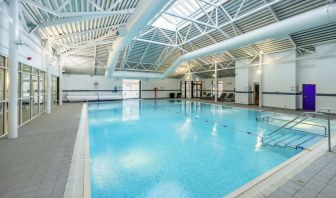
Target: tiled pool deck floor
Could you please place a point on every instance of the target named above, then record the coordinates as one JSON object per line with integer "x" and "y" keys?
{"x": 317, "y": 180}
{"x": 37, "y": 163}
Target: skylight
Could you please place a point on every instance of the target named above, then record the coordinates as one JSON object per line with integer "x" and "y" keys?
{"x": 184, "y": 8}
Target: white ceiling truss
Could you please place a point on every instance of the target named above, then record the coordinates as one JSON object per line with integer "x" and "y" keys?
{"x": 83, "y": 30}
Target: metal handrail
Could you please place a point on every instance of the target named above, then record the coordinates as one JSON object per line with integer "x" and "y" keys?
{"x": 301, "y": 122}
{"x": 283, "y": 126}
{"x": 84, "y": 100}
{"x": 307, "y": 115}
{"x": 263, "y": 111}
{"x": 328, "y": 118}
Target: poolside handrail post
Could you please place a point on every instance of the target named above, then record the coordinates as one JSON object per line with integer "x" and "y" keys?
{"x": 260, "y": 112}
{"x": 329, "y": 135}
{"x": 329, "y": 131}
{"x": 283, "y": 126}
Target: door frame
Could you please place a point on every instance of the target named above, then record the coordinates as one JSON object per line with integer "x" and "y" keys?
{"x": 303, "y": 100}
{"x": 196, "y": 83}
{"x": 255, "y": 94}
{"x": 185, "y": 87}
{"x": 140, "y": 91}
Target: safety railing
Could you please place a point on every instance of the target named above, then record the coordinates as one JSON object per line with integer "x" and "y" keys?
{"x": 307, "y": 115}
{"x": 84, "y": 100}
{"x": 263, "y": 111}
{"x": 328, "y": 118}
{"x": 268, "y": 118}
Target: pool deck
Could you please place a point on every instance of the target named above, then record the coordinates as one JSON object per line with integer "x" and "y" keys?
{"x": 318, "y": 179}
{"x": 36, "y": 164}
{"x": 279, "y": 110}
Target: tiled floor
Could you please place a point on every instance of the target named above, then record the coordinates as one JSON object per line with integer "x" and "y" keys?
{"x": 37, "y": 163}
{"x": 317, "y": 180}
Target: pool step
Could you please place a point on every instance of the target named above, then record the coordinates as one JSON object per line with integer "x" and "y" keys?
{"x": 293, "y": 141}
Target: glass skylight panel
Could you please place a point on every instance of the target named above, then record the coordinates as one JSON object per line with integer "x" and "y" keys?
{"x": 184, "y": 8}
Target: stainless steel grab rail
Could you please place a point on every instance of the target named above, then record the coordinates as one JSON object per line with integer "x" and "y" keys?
{"x": 263, "y": 111}
{"x": 286, "y": 124}
{"x": 84, "y": 100}
{"x": 266, "y": 119}
{"x": 308, "y": 115}
{"x": 328, "y": 118}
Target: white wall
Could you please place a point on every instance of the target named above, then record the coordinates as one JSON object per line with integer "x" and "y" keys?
{"x": 84, "y": 85}
{"x": 284, "y": 73}
{"x": 228, "y": 83}
{"x": 279, "y": 80}
{"x": 243, "y": 82}
{"x": 86, "y": 82}
{"x": 306, "y": 70}
{"x": 326, "y": 77}
{"x": 164, "y": 87}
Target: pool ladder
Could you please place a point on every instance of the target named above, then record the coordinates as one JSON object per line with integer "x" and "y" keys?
{"x": 258, "y": 117}
{"x": 296, "y": 122}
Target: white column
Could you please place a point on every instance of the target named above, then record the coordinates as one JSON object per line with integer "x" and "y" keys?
{"x": 60, "y": 85}
{"x": 13, "y": 71}
{"x": 49, "y": 82}
{"x": 190, "y": 85}
{"x": 261, "y": 73}
{"x": 216, "y": 83}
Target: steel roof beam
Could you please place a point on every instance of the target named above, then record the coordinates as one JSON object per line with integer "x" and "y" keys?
{"x": 67, "y": 20}
{"x": 313, "y": 18}
{"x": 85, "y": 32}
{"x": 234, "y": 20}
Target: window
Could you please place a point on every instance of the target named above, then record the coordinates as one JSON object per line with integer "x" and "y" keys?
{"x": 25, "y": 94}
{"x": 32, "y": 91}
{"x": 3, "y": 97}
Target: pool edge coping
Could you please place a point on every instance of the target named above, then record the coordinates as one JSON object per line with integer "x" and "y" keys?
{"x": 268, "y": 182}
{"x": 78, "y": 181}
{"x": 261, "y": 185}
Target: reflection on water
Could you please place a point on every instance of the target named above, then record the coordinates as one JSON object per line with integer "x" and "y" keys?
{"x": 161, "y": 148}
{"x": 136, "y": 158}
{"x": 130, "y": 110}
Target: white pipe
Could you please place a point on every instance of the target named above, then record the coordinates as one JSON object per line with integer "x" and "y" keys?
{"x": 313, "y": 18}
{"x": 13, "y": 71}
{"x": 60, "y": 84}
{"x": 216, "y": 83}
{"x": 136, "y": 75}
{"x": 260, "y": 80}
{"x": 310, "y": 19}
{"x": 144, "y": 13}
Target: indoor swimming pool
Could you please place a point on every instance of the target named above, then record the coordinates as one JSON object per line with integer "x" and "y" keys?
{"x": 172, "y": 148}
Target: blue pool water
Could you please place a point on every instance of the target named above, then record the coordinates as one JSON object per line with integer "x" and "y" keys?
{"x": 170, "y": 148}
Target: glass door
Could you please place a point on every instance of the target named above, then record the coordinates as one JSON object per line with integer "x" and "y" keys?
{"x": 131, "y": 89}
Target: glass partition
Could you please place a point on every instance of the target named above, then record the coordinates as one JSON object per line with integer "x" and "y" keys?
{"x": 25, "y": 93}
{"x": 3, "y": 95}
{"x": 32, "y": 92}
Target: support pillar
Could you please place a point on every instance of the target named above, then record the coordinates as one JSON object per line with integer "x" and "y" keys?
{"x": 261, "y": 73}
{"x": 13, "y": 71}
{"x": 60, "y": 84}
{"x": 216, "y": 83}
{"x": 49, "y": 82}
{"x": 190, "y": 79}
